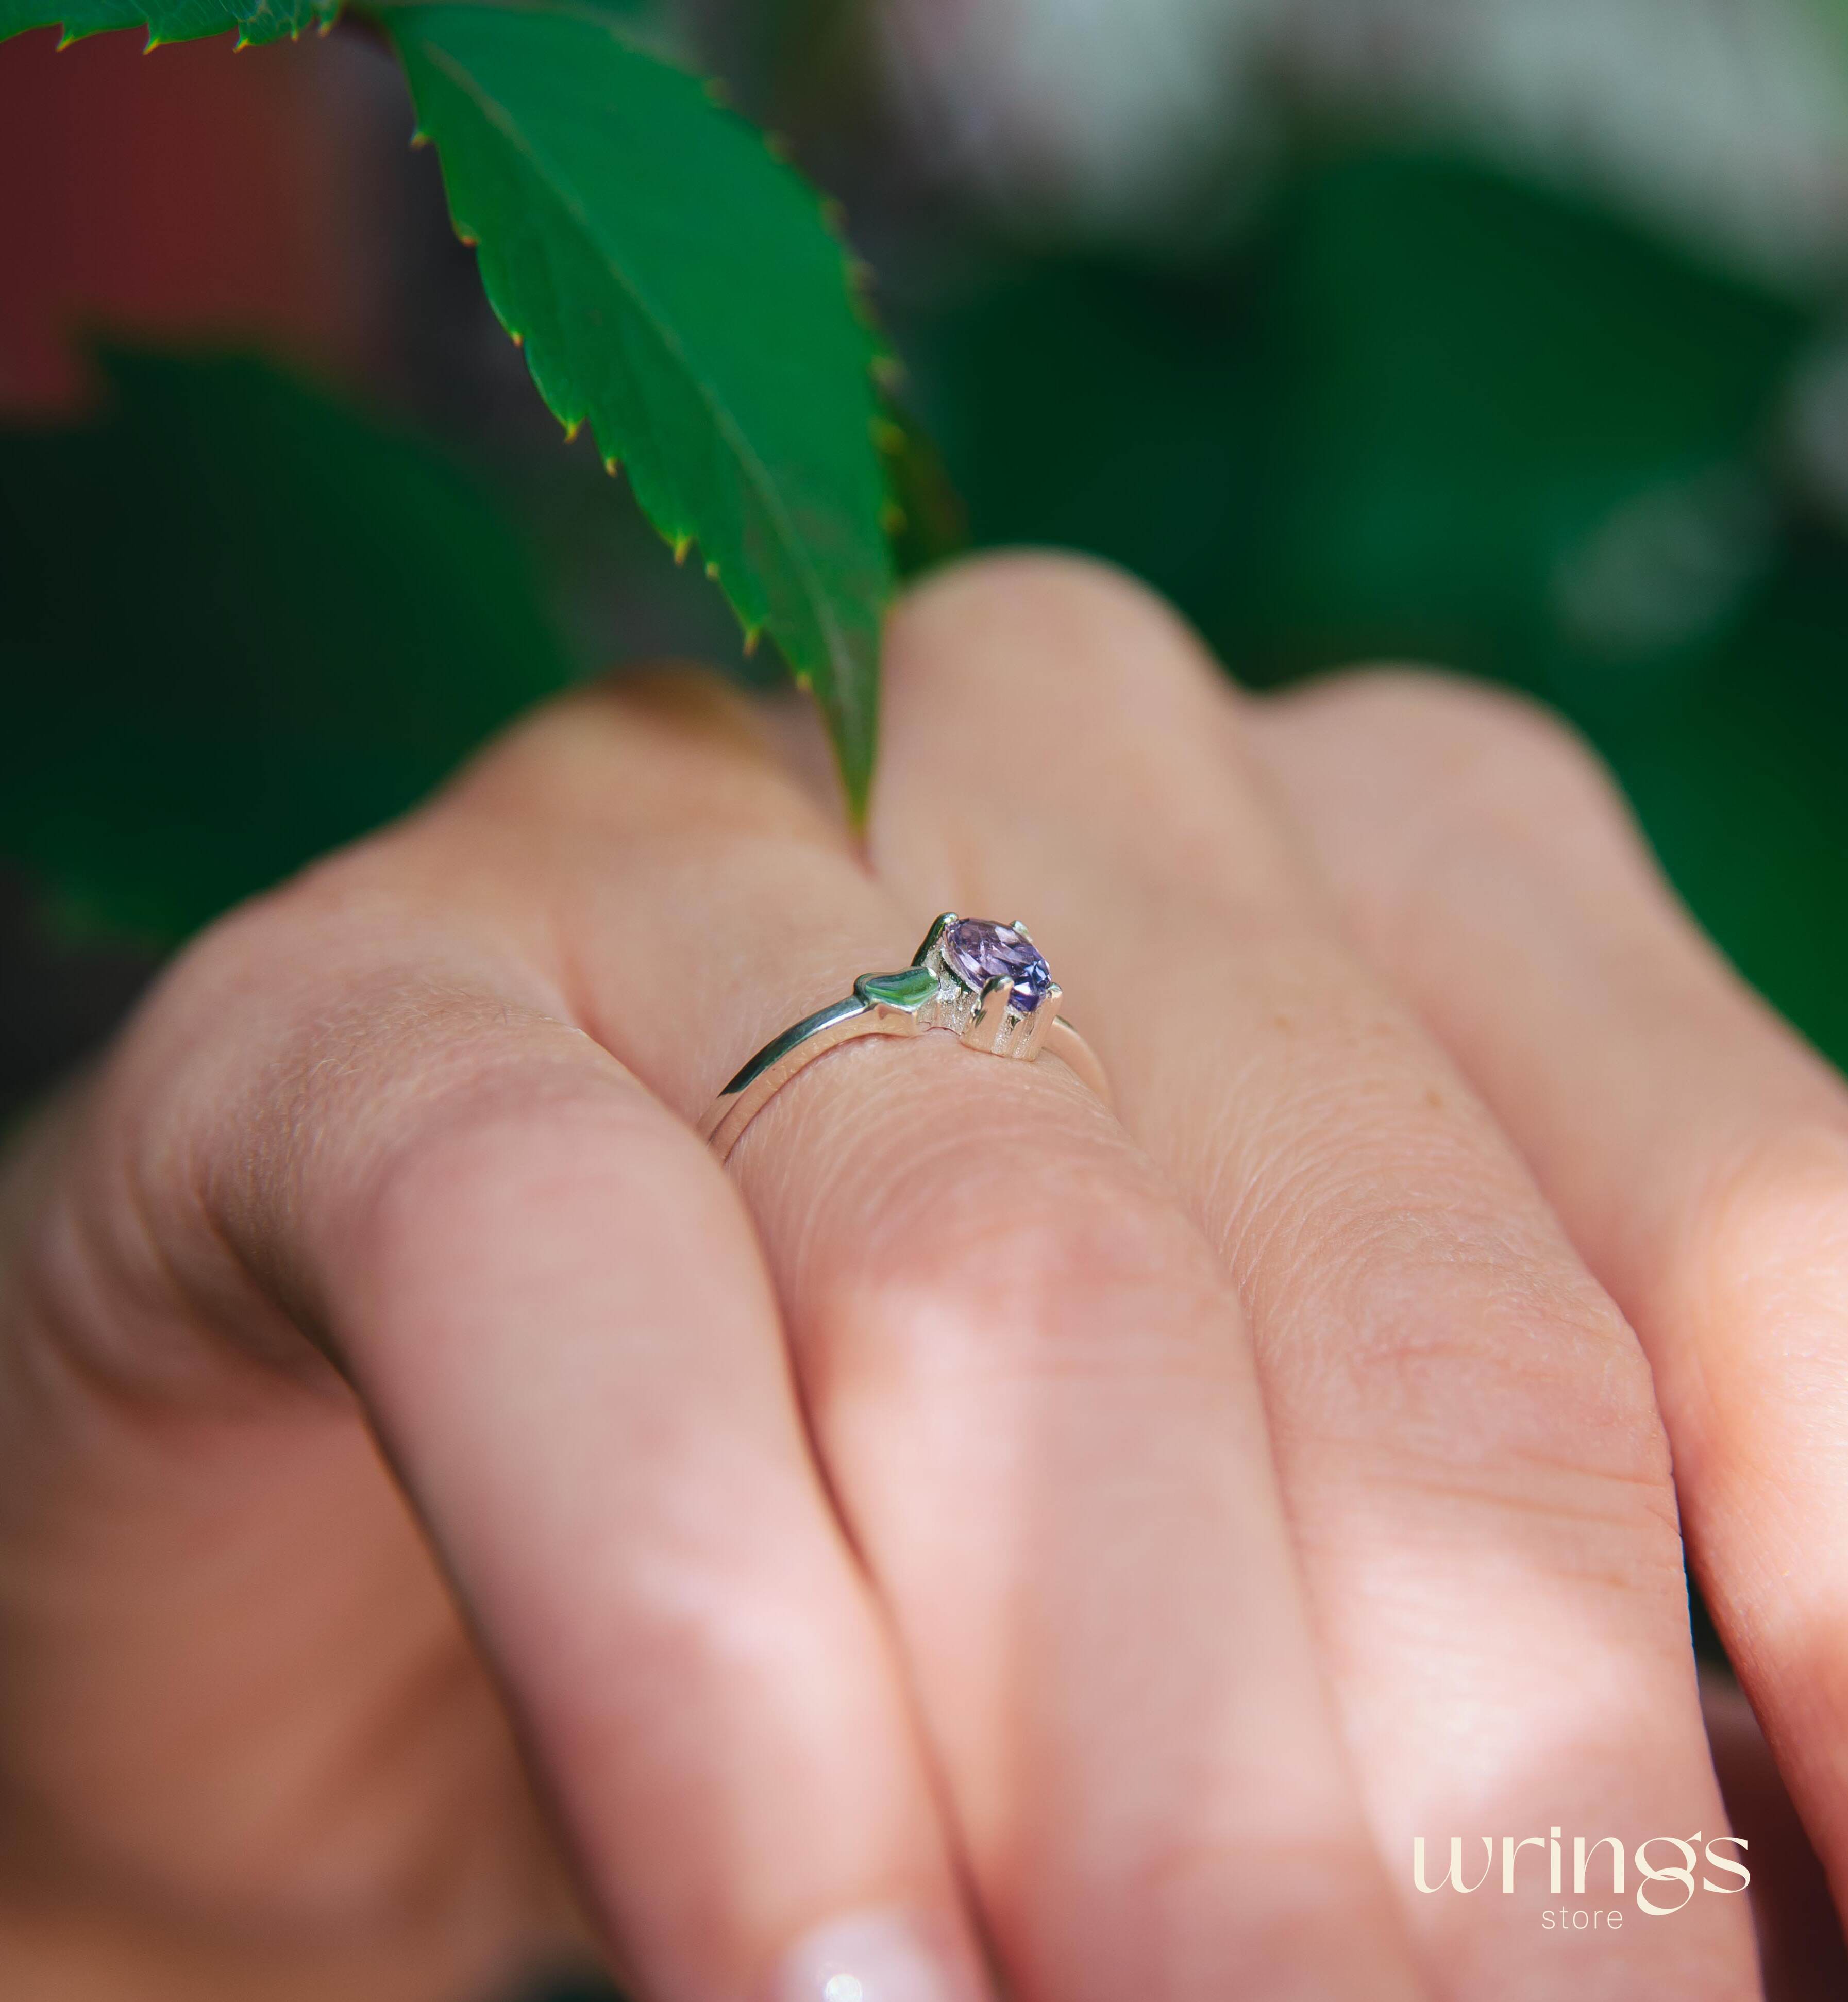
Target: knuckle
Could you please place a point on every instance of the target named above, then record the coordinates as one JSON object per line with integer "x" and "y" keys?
{"x": 629, "y": 757}
{"x": 1477, "y": 748}
{"x": 483, "y": 1133}
{"x": 363, "y": 1014}
{"x": 1065, "y": 1285}
{"x": 695, "y": 1614}
{"x": 1058, "y": 1252}
{"x": 1504, "y": 1399}
{"x": 687, "y": 711}
{"x": 1095, "y": 629}
{"x": 1058, "y": 1272}
{"x": 1442, "y": 1320}
{"x": 1525, "y": 1378}
{"x": 1060, "y": 579}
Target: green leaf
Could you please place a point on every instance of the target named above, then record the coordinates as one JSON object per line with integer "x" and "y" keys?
{"x": 679, "y": 289}
{"x": 239, "y": 624}
{"x": 170, "y": 20}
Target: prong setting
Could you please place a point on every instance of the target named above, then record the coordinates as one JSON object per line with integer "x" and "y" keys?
{"x": 1006, "y": 1014}
{"x": 931, "y": 952}
{"x": 1039, "y": 1023}
{"x": 988, "y": 1026}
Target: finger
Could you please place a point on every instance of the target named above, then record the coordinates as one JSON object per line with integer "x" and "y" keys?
{"x": 552, "y": 1305}
{"x": 1026, "y": 1377}
{"x": 1473, "y": 1462}
{"x": 1697, "y": 1153}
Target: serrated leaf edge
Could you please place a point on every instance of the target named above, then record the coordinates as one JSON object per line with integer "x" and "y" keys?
{"x": 833, "y": 635}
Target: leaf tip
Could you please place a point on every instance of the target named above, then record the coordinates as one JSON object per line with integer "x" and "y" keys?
{"x": 712, "y": 570}
{"x": 889, "y": 436}
{"x": 612, "y": 466}
{"x": 888, "y": 371}
{"x": 752, "y": 635}
{"x": 572, "y": 429}
{"x": 419, "y": 139}
{"x": 519, "y": 340}
{"x": 681, "y": 545}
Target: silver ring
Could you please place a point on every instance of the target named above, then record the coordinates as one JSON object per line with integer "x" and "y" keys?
{"x": 986, "y": 983}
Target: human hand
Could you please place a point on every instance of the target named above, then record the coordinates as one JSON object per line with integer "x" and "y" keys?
{"x": 1116, "y": 1539}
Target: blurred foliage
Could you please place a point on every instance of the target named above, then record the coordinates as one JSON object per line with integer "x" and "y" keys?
{"x": 1421, "y": 411}
{"x": 1400, "y": 406}
{"x": 676, "y": 285}
{"x": 238, "y": 624}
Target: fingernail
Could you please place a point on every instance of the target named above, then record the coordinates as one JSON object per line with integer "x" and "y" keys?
{"x": 874, "y": 1956}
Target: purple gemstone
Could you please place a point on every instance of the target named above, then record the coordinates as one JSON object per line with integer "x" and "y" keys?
{"x": 977, "y": 951}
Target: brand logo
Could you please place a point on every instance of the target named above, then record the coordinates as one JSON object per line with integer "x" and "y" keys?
{"x": 1669, "y": 1872}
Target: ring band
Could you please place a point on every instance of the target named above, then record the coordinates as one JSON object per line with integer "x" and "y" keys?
{"x": 985, "y": 983}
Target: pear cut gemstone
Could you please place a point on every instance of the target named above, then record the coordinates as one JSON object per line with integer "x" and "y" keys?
{"x": 977, "y": 951}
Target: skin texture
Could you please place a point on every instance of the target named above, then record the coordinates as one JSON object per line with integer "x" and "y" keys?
{"x": 973, "y": 1540}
